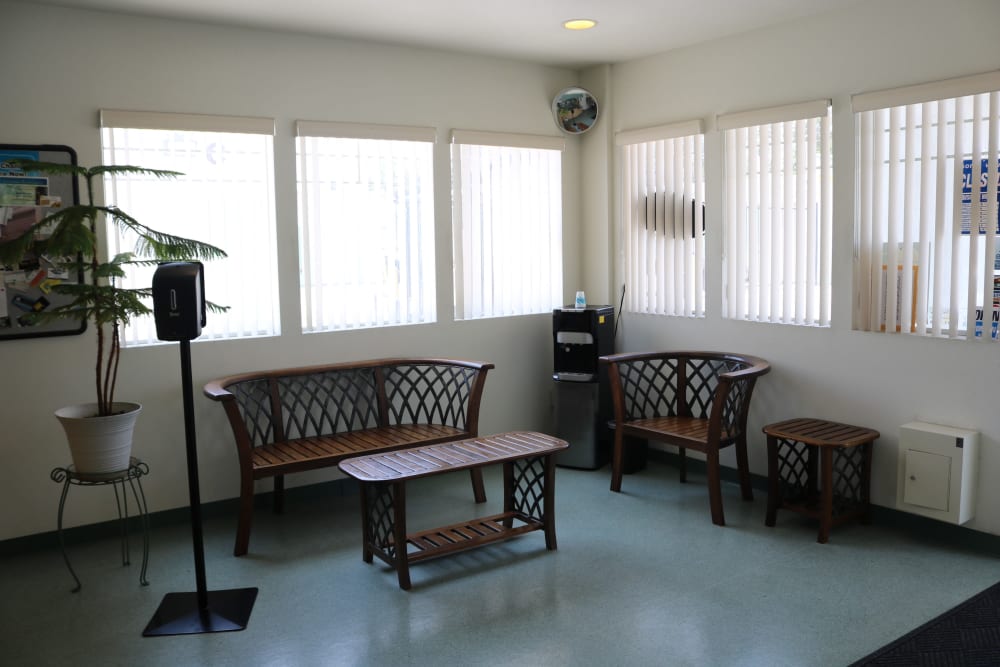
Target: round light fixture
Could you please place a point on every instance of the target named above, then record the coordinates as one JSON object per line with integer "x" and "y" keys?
{"x": 579, "y": 24}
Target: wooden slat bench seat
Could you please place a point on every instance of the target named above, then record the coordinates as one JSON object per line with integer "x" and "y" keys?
{"x": 328, "y": 450}
{"x": 298, "y": 419}
{"x": 529, "y": 496}
{"x": 692, "y": 400}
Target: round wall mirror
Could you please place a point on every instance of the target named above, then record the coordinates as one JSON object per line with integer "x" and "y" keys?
{"x": 575, "y": 110}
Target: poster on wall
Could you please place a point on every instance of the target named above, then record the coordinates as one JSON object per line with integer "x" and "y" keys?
{"x": 26, "y": 199}
{"x": 967, "y": 178}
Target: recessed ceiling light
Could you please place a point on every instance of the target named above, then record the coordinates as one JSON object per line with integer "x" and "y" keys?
{"x": 579, "y": 24}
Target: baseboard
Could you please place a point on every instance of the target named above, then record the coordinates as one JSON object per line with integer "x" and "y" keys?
{"x": 227, "y": 509}
{"x": 930, "y": 529}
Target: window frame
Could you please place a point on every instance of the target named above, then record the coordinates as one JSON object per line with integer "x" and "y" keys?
{"x": 253, "y": 316}
{"x": 389, "y": 303}
{"x": 478, "y": 293}
{"x": 756, "y": 286}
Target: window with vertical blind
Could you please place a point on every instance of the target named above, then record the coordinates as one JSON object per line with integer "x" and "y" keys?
{"x": 663, "y": 219}
{"x": 926, "y": 255}
{"x": 778, "y": 214}
{"x": 224, "y": 197}
{"x": 366, "y": 225}
{"x": 507, "y": 223}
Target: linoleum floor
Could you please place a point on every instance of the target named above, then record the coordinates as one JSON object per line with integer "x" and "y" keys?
{"x": 639, "y": 578}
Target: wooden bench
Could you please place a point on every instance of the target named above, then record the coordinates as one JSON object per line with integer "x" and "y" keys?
{"x": 692, "y": 400}
{"x": 529, "y": 496}
{"x": 297, "y": 419}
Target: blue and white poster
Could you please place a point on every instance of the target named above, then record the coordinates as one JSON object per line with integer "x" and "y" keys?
{"x": 967, "y": 178}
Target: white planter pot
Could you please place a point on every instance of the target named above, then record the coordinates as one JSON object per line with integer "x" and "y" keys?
{"x": 99, "y": 444}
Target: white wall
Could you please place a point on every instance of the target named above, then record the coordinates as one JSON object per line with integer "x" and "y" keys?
{"x": 60, "y": 66}
{"x": 867, "y": 379}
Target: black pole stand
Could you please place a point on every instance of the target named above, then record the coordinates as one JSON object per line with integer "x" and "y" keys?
{"x": 203, "y": 611}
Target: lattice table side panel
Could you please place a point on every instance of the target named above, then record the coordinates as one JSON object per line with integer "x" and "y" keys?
{"x": 529, "y": 486}
{"x": 848, "y": 478}
{"x": 379, "y": 512}
{"x": 794, "y": 470}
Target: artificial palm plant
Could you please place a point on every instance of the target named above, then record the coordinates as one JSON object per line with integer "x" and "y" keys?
{"x": 72, "y": 233}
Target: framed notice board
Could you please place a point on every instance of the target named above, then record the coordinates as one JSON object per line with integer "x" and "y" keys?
{"x": 26, "y": 198}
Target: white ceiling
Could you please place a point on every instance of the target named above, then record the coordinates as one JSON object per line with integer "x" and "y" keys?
{"x": 523, "y": 29}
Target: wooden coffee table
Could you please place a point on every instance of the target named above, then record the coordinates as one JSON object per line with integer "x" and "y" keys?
{"x": 529, "y": 496}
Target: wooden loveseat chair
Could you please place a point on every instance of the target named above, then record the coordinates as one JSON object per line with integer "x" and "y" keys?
{"x": 693, "y": 400}
{"x": 291, "y": 420}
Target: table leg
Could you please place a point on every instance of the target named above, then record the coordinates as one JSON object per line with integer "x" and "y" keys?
{"x": 367, "y": 536}
{"x": 773, "y": 481}
{"x": 62, "y": 540}
{"x": 549, "y": 511}
{"x": 140, "y": 501}
{"x": 509, "y": 484}
{"x": 866, "y": 480}
{"x": 122, "y": 521}
{"x": 399, "y": 534}
{"x": 826, "y": 503}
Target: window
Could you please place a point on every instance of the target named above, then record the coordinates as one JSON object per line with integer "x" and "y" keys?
{"x": 778, "y": 240}
{"x": 366, "y": 225}
{"x": 507, "y": 224}
{"x": 224, "y": 197}
{"x": 920, "y": 151}
{"x": 663, "y": 214}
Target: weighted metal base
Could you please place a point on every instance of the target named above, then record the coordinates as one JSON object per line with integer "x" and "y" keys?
{"x": 181, "y": 613}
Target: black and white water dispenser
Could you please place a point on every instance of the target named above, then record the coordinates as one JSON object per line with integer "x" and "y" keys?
{"x": 581, "y": 400}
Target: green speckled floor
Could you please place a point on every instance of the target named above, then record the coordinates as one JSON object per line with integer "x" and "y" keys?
{"x": 640, "y": 578}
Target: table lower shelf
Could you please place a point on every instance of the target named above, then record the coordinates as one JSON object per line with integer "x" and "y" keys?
{"x": 843, "y": 510}
{"x": 463, "y": 536}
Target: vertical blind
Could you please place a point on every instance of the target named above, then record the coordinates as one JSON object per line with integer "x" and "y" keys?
{"x": 507, "y": 223}
{"x": 778, "y": 229}
{"x": 927, "y": 206}
{"x": 224, "y": 197}
{"x": 663, "y": 197}
{"x": 366, "y": 225}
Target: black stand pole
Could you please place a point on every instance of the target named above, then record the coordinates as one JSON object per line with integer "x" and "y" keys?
{"x": 204, "y": 610}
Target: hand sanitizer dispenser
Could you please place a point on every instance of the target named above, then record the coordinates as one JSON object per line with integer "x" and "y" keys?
{"x": 179, "y": 300}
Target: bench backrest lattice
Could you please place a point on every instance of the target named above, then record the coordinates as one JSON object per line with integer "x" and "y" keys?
{"x": 428, "y": 394}
{"x": 300, "y": 403}
{"x": 333, "y": 402}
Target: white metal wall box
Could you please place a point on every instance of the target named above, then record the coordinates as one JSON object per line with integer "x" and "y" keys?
{"x": 937, "y": 471}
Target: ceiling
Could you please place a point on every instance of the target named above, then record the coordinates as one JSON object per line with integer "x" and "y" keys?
{"x": 522, "y": 29}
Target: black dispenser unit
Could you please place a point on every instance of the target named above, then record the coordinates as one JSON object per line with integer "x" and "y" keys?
{"x": 179, "y": 310}
{"x": 581, "y": 399}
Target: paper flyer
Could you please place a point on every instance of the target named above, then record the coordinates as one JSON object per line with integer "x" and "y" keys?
{"x": 984, "y": 204}
{"x": 18, "y": 188}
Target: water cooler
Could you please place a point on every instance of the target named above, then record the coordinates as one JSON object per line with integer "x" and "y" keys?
{"x": 581, "y": 399}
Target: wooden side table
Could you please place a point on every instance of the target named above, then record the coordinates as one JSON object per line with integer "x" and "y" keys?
{"x": 131, "y": 476}
{"x": 841, "y": 490}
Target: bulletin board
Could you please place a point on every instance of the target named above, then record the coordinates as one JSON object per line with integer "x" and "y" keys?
{"x": 25, "y": 199}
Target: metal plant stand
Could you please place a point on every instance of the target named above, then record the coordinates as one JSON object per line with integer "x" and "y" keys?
{"x": 131, "y": 477}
